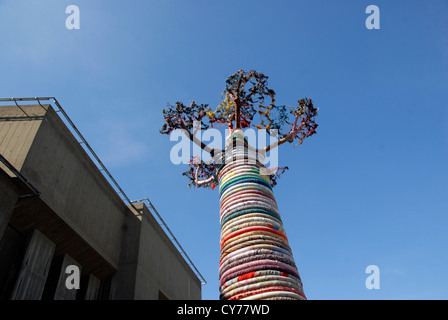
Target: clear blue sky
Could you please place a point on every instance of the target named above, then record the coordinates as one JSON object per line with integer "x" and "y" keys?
{"x": 370, "y": 188}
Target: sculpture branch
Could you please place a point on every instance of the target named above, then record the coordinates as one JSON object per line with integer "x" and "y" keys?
{"x": 202, "y": 182}
{"x": 192, "y": 137}
{"x": 307, "y": 127}
{"x": 292, "y": 134}
{"x": 244, "y": 98}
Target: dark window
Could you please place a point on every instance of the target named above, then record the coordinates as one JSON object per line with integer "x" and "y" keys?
{"x": 12, "y": 250}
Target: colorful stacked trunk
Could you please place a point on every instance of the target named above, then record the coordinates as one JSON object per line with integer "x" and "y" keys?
{"x": 256, "y": 260}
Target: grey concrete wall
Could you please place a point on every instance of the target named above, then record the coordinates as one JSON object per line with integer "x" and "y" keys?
{"x": 68, "y": 179}
{"x": 62, "y": 292}
{"x": 45, "y": 151}
{"x": 124, "y": 281}
{"x": 35, "y": 267}
{"x": 17, "y": 131}
{"x": 149, "y": 263}
{"x": 156, "y": 253}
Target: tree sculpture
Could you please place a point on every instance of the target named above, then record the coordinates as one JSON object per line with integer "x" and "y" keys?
{"x": 256, "y": 261}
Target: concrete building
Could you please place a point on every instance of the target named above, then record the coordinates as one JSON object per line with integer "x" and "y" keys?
{"x": 57, "y": 209}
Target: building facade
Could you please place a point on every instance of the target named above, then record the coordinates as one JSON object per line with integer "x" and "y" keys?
{"x": 58, "y": 212}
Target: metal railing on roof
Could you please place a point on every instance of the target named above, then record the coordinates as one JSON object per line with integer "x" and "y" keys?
{"x": 107, "y": 174}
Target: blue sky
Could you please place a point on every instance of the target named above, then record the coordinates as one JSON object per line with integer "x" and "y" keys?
{"x": 370, "y": 188}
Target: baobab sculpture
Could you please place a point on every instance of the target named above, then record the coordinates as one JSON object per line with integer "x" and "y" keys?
{"x": 256, "y": 261}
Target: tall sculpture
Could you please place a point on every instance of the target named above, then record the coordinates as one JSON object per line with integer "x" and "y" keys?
{"x": 256, "y": 260}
